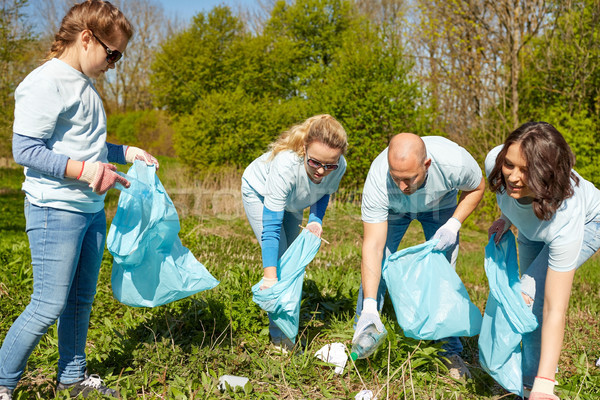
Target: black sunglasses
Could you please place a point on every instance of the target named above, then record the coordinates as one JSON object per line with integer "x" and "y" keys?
{"x": 317, "y": 164}
{"x": 112, "y": 56}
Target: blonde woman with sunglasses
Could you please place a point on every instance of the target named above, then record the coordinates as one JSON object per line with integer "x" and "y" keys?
{"x": 302, "y": 168}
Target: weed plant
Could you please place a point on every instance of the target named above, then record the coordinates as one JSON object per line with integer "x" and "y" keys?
{"x": 179, "y": 350}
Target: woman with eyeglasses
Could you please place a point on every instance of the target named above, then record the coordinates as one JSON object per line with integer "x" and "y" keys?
{"x": 557, "y": 214}
{"x": 302, "y": 169}
{"x": 60, "y": 139}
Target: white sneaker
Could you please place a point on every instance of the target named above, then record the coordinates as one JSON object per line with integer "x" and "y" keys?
{"x": 457, "y": 368}
{"x": 5, "y": 393}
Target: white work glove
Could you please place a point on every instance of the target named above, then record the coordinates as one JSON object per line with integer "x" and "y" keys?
{"x": 315, "y": 228}
{"x": 135, "y": 153}
{"x": 101, "y": 176}
{"x": 528, "y": 289}
{"x": 268, "y": 282}
{"x": 447, "y": 234}
{"x": 499, "y": 227}
{"x": 368, "y": 316}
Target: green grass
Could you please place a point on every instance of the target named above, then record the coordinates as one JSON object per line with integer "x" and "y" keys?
{"x": 178, "y": 351}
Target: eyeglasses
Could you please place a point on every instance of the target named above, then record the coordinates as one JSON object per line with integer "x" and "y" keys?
{"x": 112, "y": 56}
{"x": 317, "y": 164}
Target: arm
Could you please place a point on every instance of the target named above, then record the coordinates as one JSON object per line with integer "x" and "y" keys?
{"x": 556, "y": 301}
{"x": 270, "y": 241}
{"x": 32, "y": 153}
{"x": 317, "y": 212}
{"x": 468, "y": 201}
{"x": 375, "y": 236}
{"x": 447, "y": 234}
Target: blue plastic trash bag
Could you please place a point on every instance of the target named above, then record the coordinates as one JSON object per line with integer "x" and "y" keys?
{"x": 506, "y": 317}
{"x": 429, "y": 298}
{"x": 151, "y": 267}
{"x": 282, "y": 300}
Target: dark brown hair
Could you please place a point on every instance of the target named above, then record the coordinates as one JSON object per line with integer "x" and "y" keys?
{"x": 550, "y": 163}
{"x": 101, "y": 17}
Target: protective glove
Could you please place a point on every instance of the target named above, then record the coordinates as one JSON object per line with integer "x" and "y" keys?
{"x": 447, "y": 234}
{"x": 542, "y": 396}
{"x": 315, "y": 228}
{"x": 268, "y": 282}
{"x": 543, "y": 389}
{"x": 101, "y": 176}
{"x": 499, "y": 227}
{"x": 135, "y": 153}
{"x": 369, "y": 316}
{"x": 528, "y": 289}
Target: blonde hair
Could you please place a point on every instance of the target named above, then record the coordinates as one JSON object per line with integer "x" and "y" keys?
{"x": 322, "y": 128}
{"x": 99, "y": 16}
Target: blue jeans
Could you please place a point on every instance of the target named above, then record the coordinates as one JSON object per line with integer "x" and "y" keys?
{"x": 533, "y": 261}
{"x": 66, "y": 253}
{"x": 431, "y": 221}
{"x": 290, "y": 229}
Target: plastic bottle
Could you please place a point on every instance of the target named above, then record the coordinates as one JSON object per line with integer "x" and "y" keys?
{"x": 367, "y": 342}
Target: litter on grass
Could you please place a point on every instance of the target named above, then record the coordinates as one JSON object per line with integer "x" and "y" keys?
{"x": 334, "y": 353}
{"x": 365, "y": 395}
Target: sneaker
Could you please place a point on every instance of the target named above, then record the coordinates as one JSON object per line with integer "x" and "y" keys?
{"x": 91, "y": 384}
{"x": 5, "y": 393}
{"x": 457, "y": 368}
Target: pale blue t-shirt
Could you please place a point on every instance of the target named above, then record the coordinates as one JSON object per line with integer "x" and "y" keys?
{"x": 284, "y": 182}
{"x": 60, "y": 105}
{"x": 563, "y": 233}
{"x": 452, "y": 169}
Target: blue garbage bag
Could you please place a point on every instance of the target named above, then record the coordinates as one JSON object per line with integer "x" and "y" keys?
{"x": 150, "y": 265}
{"x": 506, "y": 317}
{"x": 429, "y": 298}
{"x": 282, "y": 300}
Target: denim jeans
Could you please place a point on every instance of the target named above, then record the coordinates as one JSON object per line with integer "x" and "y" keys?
{"x": 533, "y": 260}
{"x": 431, "y": 221}
{"x": 290, "y": 229}
{"x": 66, "y": 253}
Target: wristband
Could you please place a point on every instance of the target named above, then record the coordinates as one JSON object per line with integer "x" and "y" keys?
{"x": 81, "y": 172}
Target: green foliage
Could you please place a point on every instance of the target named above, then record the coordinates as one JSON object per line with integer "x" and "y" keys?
{"x": 201, "y": 59}
{"x": 314, "y": 56}
{"x": 16, "y": 39}
{"x": 231, "y": 128}
{"x": 561, "y": 81}
{"x": 149, "y": 129}
{"x": 369, "y": 90}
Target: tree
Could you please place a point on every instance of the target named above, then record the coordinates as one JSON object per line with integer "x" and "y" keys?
{"x": 470, "y": 53}
{"x": 561, "y": 80}
{"x": 16, "y": 59}
{"x": 197, "y": 61}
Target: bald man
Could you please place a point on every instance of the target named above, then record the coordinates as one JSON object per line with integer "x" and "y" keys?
{"x": 414, "y": 179}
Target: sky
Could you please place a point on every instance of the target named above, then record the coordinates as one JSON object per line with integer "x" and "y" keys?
{"x": 186, "y": 9}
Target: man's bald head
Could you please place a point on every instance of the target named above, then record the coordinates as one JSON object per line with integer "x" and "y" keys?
{"x": 407, "y": 147}
{"x": 408, "y": 162}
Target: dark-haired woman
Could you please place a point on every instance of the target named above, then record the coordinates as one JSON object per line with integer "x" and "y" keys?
{"x": 557, "y": 214}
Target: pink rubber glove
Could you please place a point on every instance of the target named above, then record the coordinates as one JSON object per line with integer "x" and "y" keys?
{"x": 542, "y": 396}
{"x": 135, "y": 153}
{"x": 101, "y": 176}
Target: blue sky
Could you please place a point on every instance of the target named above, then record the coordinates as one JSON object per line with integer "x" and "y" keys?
{"x": 187, "y": 8}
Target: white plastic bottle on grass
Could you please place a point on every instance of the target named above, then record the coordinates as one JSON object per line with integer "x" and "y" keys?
{"x": 367, "y": 342}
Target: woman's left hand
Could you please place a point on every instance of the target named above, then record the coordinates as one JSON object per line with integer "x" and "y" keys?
{"x": 315, "y": 228}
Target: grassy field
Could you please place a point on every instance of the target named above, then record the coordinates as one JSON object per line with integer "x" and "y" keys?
{"x": 179, "y": 350}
